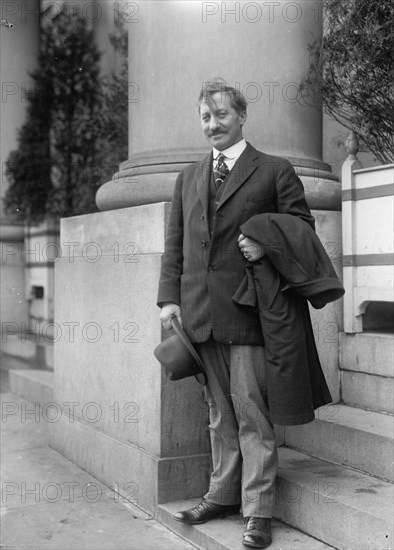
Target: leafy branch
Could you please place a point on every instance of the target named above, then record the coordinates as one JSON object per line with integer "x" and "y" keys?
{"x": 352, "y": 69}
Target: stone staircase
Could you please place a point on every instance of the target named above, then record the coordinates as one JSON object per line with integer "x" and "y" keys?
{"x": 335, "y": 480}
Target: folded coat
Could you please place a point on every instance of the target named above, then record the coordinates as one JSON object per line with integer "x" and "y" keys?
{"x": 295, "y": 267}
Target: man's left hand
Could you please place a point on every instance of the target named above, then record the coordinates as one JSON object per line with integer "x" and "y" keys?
{"x": 249, "y": 248}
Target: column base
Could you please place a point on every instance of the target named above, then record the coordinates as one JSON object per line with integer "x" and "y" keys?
{"x": 143, "y": 479}
{"x": 150, "y": 178}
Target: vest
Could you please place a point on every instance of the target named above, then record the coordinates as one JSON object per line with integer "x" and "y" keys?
{"x": 214, "y": 199}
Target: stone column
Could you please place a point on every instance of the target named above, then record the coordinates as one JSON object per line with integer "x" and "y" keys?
{"x": 19, "y": 51}
{"x": 260, "y": 47}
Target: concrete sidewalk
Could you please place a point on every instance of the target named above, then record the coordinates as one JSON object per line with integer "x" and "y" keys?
{"x": 49, "y": 503}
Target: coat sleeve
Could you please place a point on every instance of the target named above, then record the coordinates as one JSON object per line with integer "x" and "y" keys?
{"x": 172, "y": 260}
{"x": 290, "y": 194}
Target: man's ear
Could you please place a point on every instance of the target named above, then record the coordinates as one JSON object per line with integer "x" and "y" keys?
{"x": 242, "y": 117}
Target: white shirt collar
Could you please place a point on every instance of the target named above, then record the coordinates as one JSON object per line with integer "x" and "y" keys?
{"x": 233, "y": 152}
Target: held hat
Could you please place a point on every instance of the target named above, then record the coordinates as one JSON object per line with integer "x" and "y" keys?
{"x": 179, "y": 358}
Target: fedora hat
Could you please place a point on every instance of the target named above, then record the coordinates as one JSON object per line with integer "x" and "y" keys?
{"x": 178, "y": 356}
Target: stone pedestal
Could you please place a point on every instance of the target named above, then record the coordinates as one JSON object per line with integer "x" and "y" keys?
{"x": 327, "y": 323}
{"x": 14, "y": 306}
{"x": 41, "y": 251}
{"x": 120, "y": 418}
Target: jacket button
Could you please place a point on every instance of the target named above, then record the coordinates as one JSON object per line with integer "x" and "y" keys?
{"x": 210, "y": 269}
{"x": 202, "y": 217}
{"x": 203, "y": 243}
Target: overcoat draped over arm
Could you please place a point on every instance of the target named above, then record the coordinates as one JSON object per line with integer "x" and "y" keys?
{"x": 295, "y": 267}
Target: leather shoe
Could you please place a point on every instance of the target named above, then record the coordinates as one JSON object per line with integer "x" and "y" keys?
{"x": 257, "y": 532}
{"x": 205, "y": 511}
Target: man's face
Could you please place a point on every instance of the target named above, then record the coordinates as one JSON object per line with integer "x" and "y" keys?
{"x": 221, "y": 123}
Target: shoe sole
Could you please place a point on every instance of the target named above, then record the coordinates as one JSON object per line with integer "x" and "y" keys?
{"x": 251, "y": 545}
{"x": 205, "y": 520}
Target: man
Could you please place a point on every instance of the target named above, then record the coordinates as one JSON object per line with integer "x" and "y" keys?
{"x": 203, "y": 264}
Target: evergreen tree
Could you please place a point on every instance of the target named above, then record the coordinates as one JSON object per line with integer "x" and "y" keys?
{"x": 29, "y": 167}
{"x": 56, "y": 170}
{"x": 112, "y": 126}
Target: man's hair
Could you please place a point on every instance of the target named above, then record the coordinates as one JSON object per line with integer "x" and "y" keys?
{"x": 237, "y": 100}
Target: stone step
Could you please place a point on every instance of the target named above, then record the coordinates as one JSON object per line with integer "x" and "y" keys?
{"x": 15, "y": 346}
{"x": 349, "y": 436}
{"x": 38, "y": 351}
{"x": 327, "y": 505}
{"x": 337, "y": 504}
{"x": 226, "y": 533}
{"x": 367, "y": 391}
{"x": 35, "y": 386}
{"x": 368, "y": 352}
{"x": 366, "y": 370}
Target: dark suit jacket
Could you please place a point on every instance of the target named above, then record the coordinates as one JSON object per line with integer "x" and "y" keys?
{"x": 201, "y": 273}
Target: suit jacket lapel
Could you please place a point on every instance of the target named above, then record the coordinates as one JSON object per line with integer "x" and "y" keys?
{"x": 242, "y": 170}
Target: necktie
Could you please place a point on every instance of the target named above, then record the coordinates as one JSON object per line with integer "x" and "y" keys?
{"x": 221, "y": 171}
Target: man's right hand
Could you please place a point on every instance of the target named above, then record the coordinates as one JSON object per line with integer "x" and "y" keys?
{"x": 168, "y": 312}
